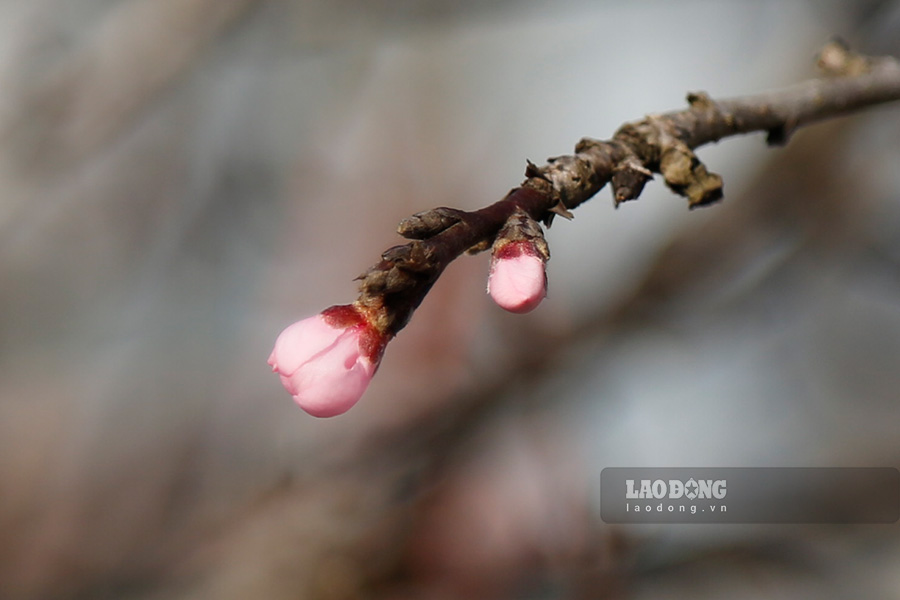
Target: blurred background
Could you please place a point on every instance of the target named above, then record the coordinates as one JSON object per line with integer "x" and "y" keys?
{"x": 181, "y": 179}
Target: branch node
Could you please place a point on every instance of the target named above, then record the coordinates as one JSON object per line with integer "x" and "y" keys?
{"x": 587, "y": 143}
{"x": 412, "y": 257}
{"x": 429, "y": 223}
{"x": 700, "y": 100}
{"x": 837, "y": 60}
{"x": 779, "y": 136}
{"x": 687, "y": 176}
{"x": 628, "y": 180}
{"x": 520, "y": 227}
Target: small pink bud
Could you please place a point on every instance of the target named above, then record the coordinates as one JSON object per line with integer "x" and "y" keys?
{"x": 327, "y": 361}
{"x": 518, "y": 280}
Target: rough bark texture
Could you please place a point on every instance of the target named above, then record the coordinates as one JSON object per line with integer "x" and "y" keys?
{"x": 392, "y": 289}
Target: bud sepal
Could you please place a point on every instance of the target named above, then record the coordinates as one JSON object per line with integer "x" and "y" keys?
{"x": 518, "y": 276}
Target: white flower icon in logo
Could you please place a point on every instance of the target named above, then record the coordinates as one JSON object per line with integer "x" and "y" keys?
{"x": 691, "y": 488}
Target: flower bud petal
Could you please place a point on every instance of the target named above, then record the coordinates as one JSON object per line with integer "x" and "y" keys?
{"x": 518, "y": 279}
{"x": 327, "y": 361}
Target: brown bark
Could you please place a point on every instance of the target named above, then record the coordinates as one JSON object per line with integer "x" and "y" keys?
{"x": 392, "y": 289}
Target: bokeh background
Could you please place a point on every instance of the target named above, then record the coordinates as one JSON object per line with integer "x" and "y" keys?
{"x": 180, "y": 179}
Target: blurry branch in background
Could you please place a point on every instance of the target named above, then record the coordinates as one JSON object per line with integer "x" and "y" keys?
{"x": 91, "y": 94}
{"x": 392, "y": 289}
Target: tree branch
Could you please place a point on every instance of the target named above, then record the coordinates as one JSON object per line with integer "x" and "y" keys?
{"x": 392, "y": 289}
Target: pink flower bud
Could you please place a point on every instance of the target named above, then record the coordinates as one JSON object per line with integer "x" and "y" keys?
{"x": 518, "y": 280}
{"x": 327, "y": 361}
